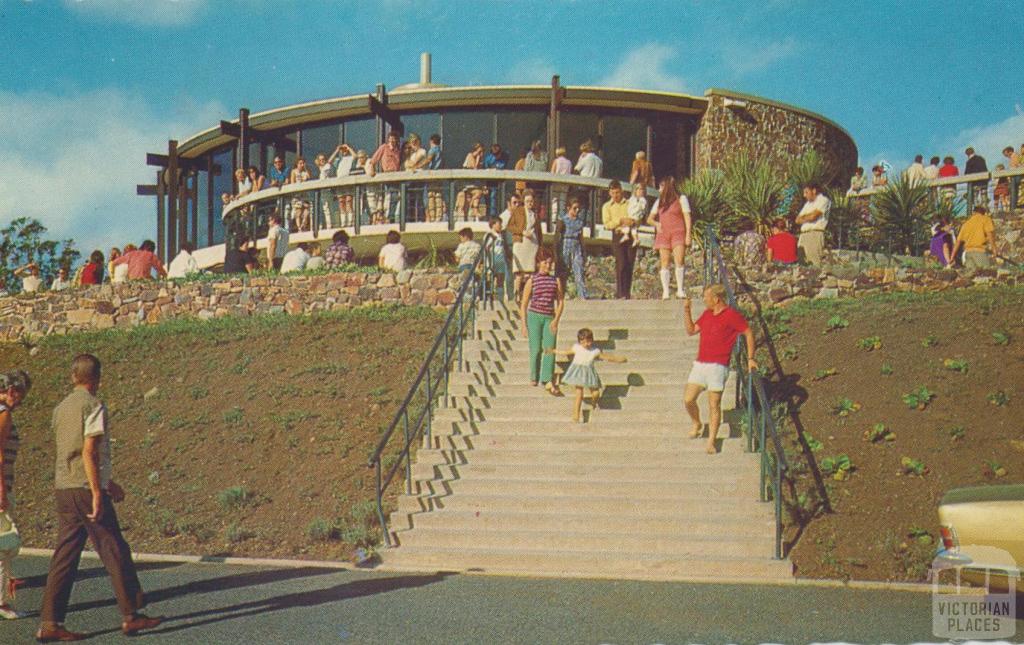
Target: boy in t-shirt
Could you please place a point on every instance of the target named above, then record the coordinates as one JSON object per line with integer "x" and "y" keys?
{"x": 718, "y": 326}
{"x": 467, "y": 251}
{"x": 85, "y": 509}
{"x": 500, "y": 242}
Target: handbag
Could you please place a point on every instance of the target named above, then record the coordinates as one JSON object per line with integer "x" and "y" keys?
{"x": 10, "y": 539}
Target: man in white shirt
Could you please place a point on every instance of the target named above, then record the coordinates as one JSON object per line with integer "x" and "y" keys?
{"x": 183, "y": 264}
{"x": 29, "y": 274}
{"x": 931, "y": 171}
{"x": 915, "y": 172}
{"x": 589, "y": 164}
{"x": 277, "y": 242}
{"x": 61, "y": 282}
{"x": 813, "y": 220}
{"x": 295, "y": 260}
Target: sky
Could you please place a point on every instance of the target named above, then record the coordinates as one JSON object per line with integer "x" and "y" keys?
{"x": 87, "y": 87}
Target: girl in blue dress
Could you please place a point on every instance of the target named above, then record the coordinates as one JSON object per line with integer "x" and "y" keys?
{"x": 582, "y": 373}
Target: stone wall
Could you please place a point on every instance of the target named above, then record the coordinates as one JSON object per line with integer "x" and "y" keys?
{"x": 768, "y": 130}
{"x": 139, "y": 303}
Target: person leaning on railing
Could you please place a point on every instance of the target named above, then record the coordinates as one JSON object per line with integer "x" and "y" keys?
{"x": 977, "y": 239}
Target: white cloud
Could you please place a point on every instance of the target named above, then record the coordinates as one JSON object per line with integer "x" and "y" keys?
{"x": 753, "y": 56}
{"x": 647, "y": 67}
{"x": 532, "y": 71}
{"x": 72, "y": 162}
{"x": 141, "y": 12}
{"x": 988, "y": 140}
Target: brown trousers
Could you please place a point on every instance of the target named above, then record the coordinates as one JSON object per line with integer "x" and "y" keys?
{"x": 73, "y": 505}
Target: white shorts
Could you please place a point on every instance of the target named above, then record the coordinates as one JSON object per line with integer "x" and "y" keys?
{"x": 710, "y": 376}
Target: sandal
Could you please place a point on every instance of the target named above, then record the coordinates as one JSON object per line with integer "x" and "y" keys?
{"x": 553, "y": 390}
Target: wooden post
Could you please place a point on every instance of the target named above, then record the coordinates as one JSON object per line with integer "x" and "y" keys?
{"x": 382, "y": 96}
{"x": 209, "y": 200}
{"x": 161, "y": 222}
{"x": 171, "y": 185}
{"x": 193, "y": 195}
{"x": 557, "y": 95}
{"x": 243, "y": 138}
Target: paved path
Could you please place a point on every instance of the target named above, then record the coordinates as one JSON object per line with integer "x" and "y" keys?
{"x": 213, "y": 603}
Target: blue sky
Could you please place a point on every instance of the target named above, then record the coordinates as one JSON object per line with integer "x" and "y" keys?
{"x": 88, "y": 86}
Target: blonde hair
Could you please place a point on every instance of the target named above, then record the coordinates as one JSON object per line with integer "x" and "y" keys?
{"x": 718, "y": 291}
{"x": 640, "y": 154}
{"x": 560, "y": 151}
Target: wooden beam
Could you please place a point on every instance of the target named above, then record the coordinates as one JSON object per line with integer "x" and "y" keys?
{"x": 230, "y": 129}
{"x": 380, "y": 109}
{"x": 171, "y": 179}
{"x": 145, "y": 190}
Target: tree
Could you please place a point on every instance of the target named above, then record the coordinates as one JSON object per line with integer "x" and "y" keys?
{"x": 23, "y": 241}
{"x": 901, "y": 213}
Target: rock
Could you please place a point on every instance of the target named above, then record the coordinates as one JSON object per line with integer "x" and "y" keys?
{"x": 827, "y": 292}
{"x": 404, "y": 276}
{"x": 79, "y": 316}
{"x": 778, "y": 295}
{"x": 204, "y": 314}
{"x": 34, "y": 351}
{"x": 445, "y": 297}
{"x": 152, "y": 393}
{"x": 103, "y": 321}
{"x": 293, "y": 307}
{"x": 387, "y": 280}
{"x": 149, "y": 295}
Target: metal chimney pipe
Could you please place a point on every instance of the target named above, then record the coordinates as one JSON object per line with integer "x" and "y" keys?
{"x": 425, "y": 68}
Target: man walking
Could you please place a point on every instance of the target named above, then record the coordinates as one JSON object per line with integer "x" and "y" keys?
{"x": 977, "y": 239}
{"x": 813, "y": 220}
{"x": 85, "y": 495}
{"x": 718, "y": 326}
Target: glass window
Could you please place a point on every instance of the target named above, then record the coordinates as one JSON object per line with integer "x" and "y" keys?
{"x": 223, "y": 182}
{"x": 460, "y": 130}
{"x": 203, "y": 206}
{"x": 669, "y": 147}
{"x": 574, "y": 129}
{"x": 623, "y": 137}
{"x": 361, "y": 134}
{"x": 424, "y": 124}
{"x": 321, "y": 139}
{"x": 517, "y": 130}
{"x": 254, "y": 155}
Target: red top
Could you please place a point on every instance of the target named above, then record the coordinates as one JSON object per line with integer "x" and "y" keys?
{"x": 89, "y": 273}
{"x": 948, "y": 170}
{"x": 783, "y": 246}
{"x": 718, "y": 335}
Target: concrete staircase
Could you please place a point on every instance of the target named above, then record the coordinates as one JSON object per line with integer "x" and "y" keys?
{"x": 511, "y": 485}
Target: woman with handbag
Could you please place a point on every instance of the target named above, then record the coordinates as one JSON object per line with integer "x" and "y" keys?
{"x": 13, "y": 388}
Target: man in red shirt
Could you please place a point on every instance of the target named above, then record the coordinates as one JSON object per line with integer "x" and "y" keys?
{"x": 782, "y": 244}
{"x": 718, "y": 326}
{"x": 142, "y": 262}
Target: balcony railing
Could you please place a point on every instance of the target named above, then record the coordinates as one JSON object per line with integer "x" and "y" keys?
{"x": 961, "y": 186}
{"x": 428, "y": 200}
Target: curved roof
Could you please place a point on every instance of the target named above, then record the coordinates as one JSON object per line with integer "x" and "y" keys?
{"x": 425, "y": 98}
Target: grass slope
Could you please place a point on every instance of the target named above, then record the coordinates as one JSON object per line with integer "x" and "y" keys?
{"x": 937, "y": 379}
{"x": 237, "y": 436}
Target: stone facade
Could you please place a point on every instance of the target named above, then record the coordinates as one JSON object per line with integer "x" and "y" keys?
{"x": 140, "y": 303}
{"x": 769, "y": 130}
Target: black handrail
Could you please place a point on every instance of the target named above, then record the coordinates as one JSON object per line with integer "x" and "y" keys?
{"x": 476, "y": 288}
{"x": 751, "y": 394}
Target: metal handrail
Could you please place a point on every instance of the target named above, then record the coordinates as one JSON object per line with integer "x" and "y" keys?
{"x": 475, "y": 289}
{"x": 751, "y": 394}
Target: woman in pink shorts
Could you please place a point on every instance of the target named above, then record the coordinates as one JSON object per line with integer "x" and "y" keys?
{"x": 670, "y": 216}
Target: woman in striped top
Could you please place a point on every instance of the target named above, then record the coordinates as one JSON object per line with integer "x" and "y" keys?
{"x": 13, "y": 387}
{"x": 541, "y": 308}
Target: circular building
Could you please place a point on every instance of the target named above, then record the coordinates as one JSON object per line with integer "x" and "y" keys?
{"x": 680, "y": 134}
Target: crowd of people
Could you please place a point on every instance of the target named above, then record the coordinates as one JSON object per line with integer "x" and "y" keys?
{"x": 946, "y": 168}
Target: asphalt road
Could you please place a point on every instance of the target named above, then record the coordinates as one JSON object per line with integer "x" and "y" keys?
{"x": 214, "y": 603}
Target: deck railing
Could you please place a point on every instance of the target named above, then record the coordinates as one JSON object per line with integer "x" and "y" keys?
{"x": 413, "y": 419}
{"x": 752, "y": 398}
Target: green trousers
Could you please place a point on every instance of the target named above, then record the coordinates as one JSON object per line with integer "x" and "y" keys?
{"x": 542, "y": 366}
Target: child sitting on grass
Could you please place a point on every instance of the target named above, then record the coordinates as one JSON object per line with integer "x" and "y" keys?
{"x": 582, "y": 373}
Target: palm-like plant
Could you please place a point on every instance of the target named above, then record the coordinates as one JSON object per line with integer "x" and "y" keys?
{"x": 811, "y": 168}
{"x": 754, "y": 189}
{"x": 844, "y": 217}
{"x": 706, "y": 193}
{"x": 901, "y": 211}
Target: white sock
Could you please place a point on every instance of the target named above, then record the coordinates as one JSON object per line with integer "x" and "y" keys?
{"x": 680, "y": 273}
{"x": 666, "y": 282}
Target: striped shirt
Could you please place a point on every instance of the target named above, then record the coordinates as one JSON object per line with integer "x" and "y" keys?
{"x": 543, "y": 294}
{"x": 10, "y": 453}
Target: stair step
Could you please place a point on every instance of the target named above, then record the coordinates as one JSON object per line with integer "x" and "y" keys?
{"x": 527, "y": 541}
{"x": 759, "y": 524}
{"x": 651, "y": 492}
{"x": 487, "y": 455}
{"x": 543, "y": 410}
{"x": 694, "y": 471}
{"x": 587, "y": 564}
{"x": 598, "y": 426}
{"x": 568, "y": 441}
{"x": 703, "y": 506}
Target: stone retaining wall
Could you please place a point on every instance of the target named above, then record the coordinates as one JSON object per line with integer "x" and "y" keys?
{"x": 140, "y": 303}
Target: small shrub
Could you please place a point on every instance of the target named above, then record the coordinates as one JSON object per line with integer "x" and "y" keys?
{"x": 920, "y": 535}
{"x": 887, "y": 369}
{"x": 812, "y": 443}
{"x": 153, "y": 417}
{"x": 234, "y": 415}
{"x": 836, "y": 322}
{"x": 823, "y": 374}
{"x": 790, "y": 353}
{"x": 870, "y": 344}
{"x": 839, "y": 467}
{"x": 178, "y": 422}
{"x": 955, "y": 365}
{"x": 911, "y": 466}
{"x": 234, "y": 534}
{"x": 879, "y": 432}
{"x": 199, "y": 392}
{"x": 320, "y": 530}
{"x": 993, "y": 469}
{"x": 956, "y": 433}
{"x": 1000, "y": 338}
{"x": 931, "y": 340}
{"x": 235, "y": 497}
{"x": 998, "y": 398}
{"x": 919, "y": 398}
{"x": 844, "y": 407}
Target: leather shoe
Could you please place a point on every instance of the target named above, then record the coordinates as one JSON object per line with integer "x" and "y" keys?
{"x": 57, "y": 634}
{"x": 138, "y": 623}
